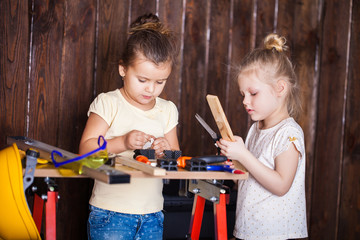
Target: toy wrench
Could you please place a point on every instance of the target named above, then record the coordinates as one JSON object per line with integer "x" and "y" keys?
{"x": 213, "y": 134}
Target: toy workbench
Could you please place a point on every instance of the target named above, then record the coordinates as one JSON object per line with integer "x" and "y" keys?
{"x": 203, "y": 184}
{"x": 142, "y": 170}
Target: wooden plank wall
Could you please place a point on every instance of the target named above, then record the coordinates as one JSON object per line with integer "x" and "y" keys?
{"x": 56, "y": 56}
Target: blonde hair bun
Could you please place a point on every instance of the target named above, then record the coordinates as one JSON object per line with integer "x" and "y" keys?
{"x": 274, "y": 41}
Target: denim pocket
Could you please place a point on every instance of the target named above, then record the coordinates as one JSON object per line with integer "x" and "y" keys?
{"x": 160, "y": 217}
{"x": 99, "y": 217}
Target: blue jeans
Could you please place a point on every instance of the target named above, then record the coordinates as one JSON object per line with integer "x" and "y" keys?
{"x": 104, "y": 224}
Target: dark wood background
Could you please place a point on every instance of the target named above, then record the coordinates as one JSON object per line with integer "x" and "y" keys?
{"x": 57, "y": 55}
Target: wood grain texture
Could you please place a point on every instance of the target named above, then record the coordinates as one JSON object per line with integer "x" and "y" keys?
{"x": 171, "y": 14}
{"x": 329, "y": 140}
{"x": 64, "y": 53}
{"x": 61, "y": 84}
{"x": 218, "y": 60}
{"x": 265, "y": 20}
{"x": 76, "y": 82}
{"x": 218, "y": 48}
{"x": 112, "y": 33}
{"x": 349, "y": 224}
{"x": 220, "y": 117}
{"x": 140, "y": 7}
{"x": 148, "y": 169}
{"x": 284, "y": 22}
{"x": 241, "y": 42}
{"x": 45, "y": 64}
{"x": 304, "y": 54}
{"x": 14, "y": 59}
{"x": 194, "y": 78}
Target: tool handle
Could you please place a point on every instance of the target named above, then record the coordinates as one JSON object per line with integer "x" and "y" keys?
{"x": 181, "y": 161}
{"x": 143, "y": 159}
{"x": 211, "y": 158}
{"x": 227, "y": 168}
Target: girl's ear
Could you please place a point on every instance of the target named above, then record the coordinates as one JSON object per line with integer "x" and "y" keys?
{"x": 121, "y": 70}
{"x": 282, "y": 87}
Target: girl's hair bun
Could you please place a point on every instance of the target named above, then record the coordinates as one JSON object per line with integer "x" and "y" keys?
{"x": 150, "y": 37}
{"x": 149, "y": 22}
{"x": 274, "y": 41}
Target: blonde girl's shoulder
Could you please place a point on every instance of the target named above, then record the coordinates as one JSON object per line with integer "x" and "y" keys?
{"x": 290, "y": 125}
{"x": 290, "y": 132}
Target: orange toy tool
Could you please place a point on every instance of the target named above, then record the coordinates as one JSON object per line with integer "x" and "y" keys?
{"x": 143, "y": 159}
{"x": 181, "y": 161}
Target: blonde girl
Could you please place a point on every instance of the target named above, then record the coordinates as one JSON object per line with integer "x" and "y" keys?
{"x": 271, "y": 203}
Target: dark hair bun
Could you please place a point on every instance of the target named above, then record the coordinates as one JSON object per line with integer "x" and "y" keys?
{"x": 148, "y": 22}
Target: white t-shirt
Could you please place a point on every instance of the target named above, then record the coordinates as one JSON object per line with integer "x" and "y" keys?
{"x": 142, "y": 195}
{"x": 259, "y": 213}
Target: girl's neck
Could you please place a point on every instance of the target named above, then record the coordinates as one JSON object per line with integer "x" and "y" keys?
{"x": 273, "y": 120}
{"x": 134, "y": 103}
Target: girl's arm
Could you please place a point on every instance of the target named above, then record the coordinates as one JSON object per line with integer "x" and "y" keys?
{"x": 172, "y": 138}
{"x": 278, "y": 181}
{"x": 96, "y": 126}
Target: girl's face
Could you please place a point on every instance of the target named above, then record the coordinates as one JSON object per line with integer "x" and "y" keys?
{"x": 144, "y": 81}
{"x": 260, "y": 99}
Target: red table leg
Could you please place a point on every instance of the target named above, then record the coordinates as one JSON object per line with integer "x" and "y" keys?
{"x": 51, "y": 215}
{"x": 220, "y": 218}
{"x": 196, "y": 217}
{"x": 38, "y": 211}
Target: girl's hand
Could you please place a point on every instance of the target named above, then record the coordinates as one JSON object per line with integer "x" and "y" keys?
{"x": 230, "y": 149}
{"x": 136, "y": 139}
{"x": 159, "y": 145}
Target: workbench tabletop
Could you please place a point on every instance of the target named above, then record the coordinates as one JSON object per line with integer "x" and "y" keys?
{"x": 49, "y": 170}
{"x": 184, "y": 174}
{"x": 142, "y": 170}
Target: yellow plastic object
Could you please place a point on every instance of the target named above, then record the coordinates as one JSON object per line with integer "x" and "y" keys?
{"x": 39, "y": 160}
{"x": 93, "y": 161}
{"x": 16, "y": 220}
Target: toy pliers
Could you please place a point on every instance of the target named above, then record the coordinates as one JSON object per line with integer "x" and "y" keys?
{"x": 213, "y": 134}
